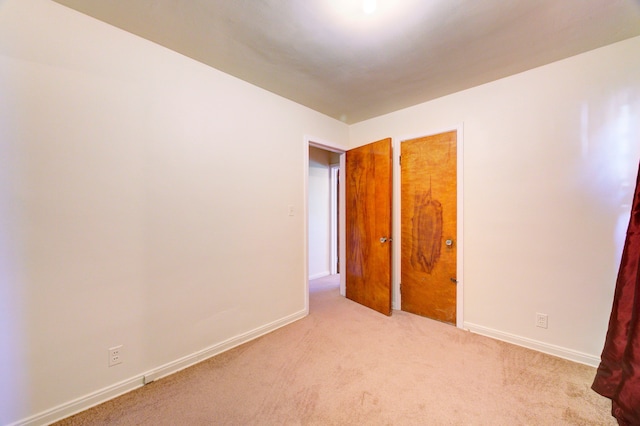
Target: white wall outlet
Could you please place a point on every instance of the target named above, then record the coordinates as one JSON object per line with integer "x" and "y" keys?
{"x": 115, "y": 355}
{"x": 542, "y": 320}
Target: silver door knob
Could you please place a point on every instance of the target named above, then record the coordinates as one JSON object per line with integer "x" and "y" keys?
{"x": 449, "y": 243}
{"x": 384, "y": 239}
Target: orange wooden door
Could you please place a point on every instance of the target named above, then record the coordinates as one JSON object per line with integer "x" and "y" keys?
{"x": 428, "y": 226}
{"x": 368, "y": 225}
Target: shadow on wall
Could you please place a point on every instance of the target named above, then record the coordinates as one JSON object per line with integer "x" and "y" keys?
{"x": 610, "y": 149}
{"x": 13, "y": 396}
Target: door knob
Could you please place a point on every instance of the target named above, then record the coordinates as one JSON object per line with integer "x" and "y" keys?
{"x": 385, "y": 239}
{"x": 449, "y": 243}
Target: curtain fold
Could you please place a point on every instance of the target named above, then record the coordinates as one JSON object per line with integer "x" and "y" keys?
{"x": 618, "y": 375}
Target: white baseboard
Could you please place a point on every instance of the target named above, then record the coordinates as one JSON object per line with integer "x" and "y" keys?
{"x": 197, "y": 357}
{"x": 319, "y": 275}
{"x": 80, "y": 404}
{"x": 546, "y": 348}
{"x": 98, "y": 397}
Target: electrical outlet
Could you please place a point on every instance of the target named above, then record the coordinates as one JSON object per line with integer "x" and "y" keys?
{"x": 115, "y": 355}
{"x": 542, "y": 320}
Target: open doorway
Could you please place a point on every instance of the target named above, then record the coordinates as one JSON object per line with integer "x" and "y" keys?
{"x": 324, "y": 215}
{"x": 323, "y": 202}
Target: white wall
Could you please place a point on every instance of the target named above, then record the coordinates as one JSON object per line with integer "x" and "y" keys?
{"x": 143, "y": 201}
{"x": 550, "y": 160}
{"x": 319, "y": 212}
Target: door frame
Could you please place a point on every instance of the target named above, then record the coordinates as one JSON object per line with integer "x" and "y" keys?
{"x": 396, "y": 224}
{"x": 339, "y": 149}
{"x": 395, "y": 229}
{"x": 334, "y": 170}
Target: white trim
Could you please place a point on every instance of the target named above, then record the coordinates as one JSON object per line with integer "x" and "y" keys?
{"x": 397, "y": 297}
{"x": 396, "y": 225}
{"x": 342, "y": 226}
{"x": 320, "y": 275}
{"x": 322, "y": 144}
{"x": 460, "y": 225}
{"x": 218, "y": 348}
{"x": 334, "y": 170}
{"x": 80, "y": 404}
{"x": 90, "y": 400}
{"x": 305, "y": 216}
{"x": 546, "y": 348}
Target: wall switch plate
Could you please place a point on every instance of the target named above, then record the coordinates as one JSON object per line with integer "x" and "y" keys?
{"x": 542, "y": 320}
{"x": 115, "y": 355}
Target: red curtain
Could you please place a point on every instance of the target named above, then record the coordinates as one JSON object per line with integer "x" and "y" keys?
{"x": 618, "y": 376}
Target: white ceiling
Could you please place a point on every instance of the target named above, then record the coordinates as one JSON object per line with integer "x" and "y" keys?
{"x": 333, "y": 58}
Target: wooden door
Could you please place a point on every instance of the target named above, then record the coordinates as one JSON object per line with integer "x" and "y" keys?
{"x": 428, "y": 199}
{"x": 368, "y": 225}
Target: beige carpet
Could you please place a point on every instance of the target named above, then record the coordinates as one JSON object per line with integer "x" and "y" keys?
{"x": 347, "y": 365}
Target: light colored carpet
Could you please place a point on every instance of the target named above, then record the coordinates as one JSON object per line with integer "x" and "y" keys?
{"x": 345, "y": 364}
